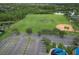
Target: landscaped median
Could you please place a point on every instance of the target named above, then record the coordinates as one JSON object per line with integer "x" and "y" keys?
{"x": 50, "y": 45}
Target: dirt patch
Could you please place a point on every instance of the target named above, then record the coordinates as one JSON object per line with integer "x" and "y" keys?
{"x": 65, "y": 27}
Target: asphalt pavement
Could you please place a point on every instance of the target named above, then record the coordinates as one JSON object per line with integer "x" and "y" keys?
{"x": 28, "y": 44}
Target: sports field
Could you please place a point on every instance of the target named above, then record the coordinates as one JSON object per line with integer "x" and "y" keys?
{"x": 40, "y": 21}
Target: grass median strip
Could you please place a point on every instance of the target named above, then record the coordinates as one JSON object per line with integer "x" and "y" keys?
{"x": 27, "y": 45}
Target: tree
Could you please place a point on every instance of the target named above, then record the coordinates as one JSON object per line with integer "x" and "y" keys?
{"x": 62, "y": 33}
{"x": 29, "y": 30}
{"x": 16, "y": 31}
{"x": 39, "y": 33}
{"x": 75, "y": 42}
{"x": 2, "y": 32}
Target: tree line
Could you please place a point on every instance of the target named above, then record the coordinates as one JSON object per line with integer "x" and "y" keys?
{"x": 15, "y": 12}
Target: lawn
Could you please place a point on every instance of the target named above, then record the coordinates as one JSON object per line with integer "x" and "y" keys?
{"x": 39, "y": 21}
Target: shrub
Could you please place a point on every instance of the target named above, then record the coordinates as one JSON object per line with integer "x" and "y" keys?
{"x": 61, "y": 45}
{"x": 46, "y": 31}
{"x": 75, "y": 41}
{"x": 46, "y": 41}
{"x": 59, "y": 32}
{"x": 29, "y": 30}
{"x": 66, "y": 27}
{"x": 39, "y": 33}
{"x": 2, "y": 32}
{"x": 48, "y": 48}
{"x": 55, "y": 31}
{"x": 53, "y": 45}
{"x": 47, "y": 44}
{"x": 16, "y": 31}
{"x": 69, "y": 50}
{"x": 62, "y": 33}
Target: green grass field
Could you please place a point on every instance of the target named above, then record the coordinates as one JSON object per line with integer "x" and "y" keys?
{"x": 40, "y": 21}
{"x": 37, "y": 22}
